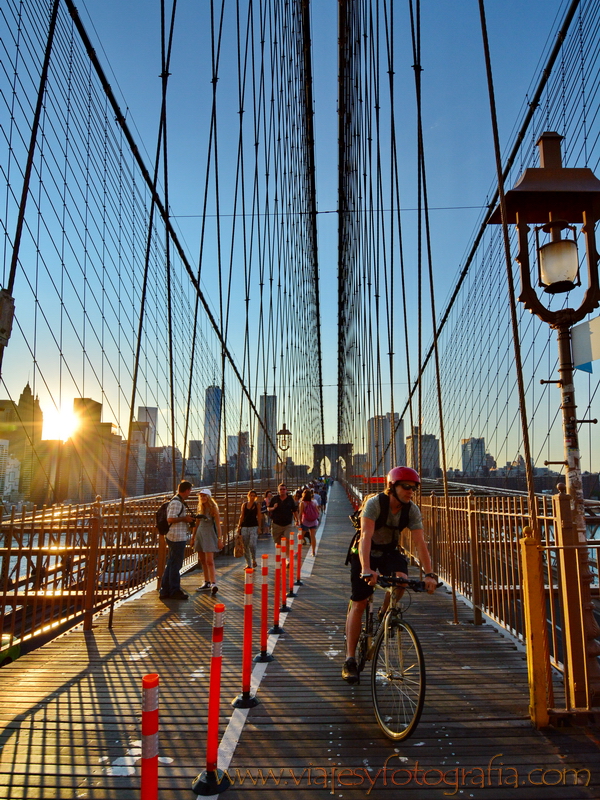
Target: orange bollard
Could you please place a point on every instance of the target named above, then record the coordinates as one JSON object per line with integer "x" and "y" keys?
{"x": 150, "y": 737}
{"x": 291, "y": 592}
{"x": 284, "y": 606}
{"x": 276, "y": 626}
{"x": 213, "y": 780}
{"x": 245, "y": 699}
{"x": 264, "y": 598}
{"x": 299, "y": 559}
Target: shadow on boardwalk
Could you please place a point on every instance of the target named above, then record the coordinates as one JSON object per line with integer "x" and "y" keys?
{"x": 71, "y": 710}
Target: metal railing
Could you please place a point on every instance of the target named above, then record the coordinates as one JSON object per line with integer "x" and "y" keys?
{"x": 61, "y": 565}
{"x": 544, "y": 597}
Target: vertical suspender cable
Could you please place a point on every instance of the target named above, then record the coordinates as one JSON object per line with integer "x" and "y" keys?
{"x": 30, "y": 154}
{"x": 423, "y": 183}
{"x": 509, "y": 274}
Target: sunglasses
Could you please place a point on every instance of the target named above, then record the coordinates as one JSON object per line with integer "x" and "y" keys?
{"x": 408, "y": 487}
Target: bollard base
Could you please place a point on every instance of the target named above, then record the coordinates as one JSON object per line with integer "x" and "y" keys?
{"x": 291, "y": 593}
{"x": 276, "y": 629}
{"x": 245, "y": 700}
{"x": 298, "y": 583}
{"x": 263, "y": 656}
{"x": 284, "y": 608}
{"x": 209, "y": 783}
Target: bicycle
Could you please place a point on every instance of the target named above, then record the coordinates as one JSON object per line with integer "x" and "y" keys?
{"x": 398, "y": 666}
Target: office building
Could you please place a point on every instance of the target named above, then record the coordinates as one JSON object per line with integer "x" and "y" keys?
{"x": 267, "y": 436}
{"x": 382, "y": 452}
{"x": 150, "y": 416}
{"x": 473, "y": 456}
{"x": 430, "y": 454}
{"x": 93, "y": 455}
{"x": 212, "y": 432}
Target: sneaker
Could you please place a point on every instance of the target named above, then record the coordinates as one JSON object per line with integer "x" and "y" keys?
{"x": 180, "y": 595}
{"x": 214, "y": 589}
{"x": 204, "y": 588}
{"x": 350, "y": 671}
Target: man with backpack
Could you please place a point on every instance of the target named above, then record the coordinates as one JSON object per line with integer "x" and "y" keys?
{"x": 383, "y": 517}
{"x": 282, "y": 510}
{"x": 179, "y": 518}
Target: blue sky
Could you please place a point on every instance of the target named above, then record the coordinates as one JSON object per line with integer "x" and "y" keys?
{"x": 457, "y": 129}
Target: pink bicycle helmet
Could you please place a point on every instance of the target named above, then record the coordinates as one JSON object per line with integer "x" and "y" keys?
{"x": 403, "y": 474}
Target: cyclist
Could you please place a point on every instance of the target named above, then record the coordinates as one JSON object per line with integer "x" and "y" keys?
{"x": 378, "y": 551}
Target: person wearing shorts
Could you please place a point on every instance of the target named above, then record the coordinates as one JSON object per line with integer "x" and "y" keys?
{"x": 378, "y": 552}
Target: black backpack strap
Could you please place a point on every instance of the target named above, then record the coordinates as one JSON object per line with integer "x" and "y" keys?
{"x": 183, "y": 505}
{"x": 384, "y": 508}
{"x": 384, "y": 505}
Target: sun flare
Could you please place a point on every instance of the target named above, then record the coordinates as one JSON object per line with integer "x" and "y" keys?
{"x": 59, "y": 424}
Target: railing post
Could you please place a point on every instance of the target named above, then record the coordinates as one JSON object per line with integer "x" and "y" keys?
{"x": 474, "y": 552}
{"x": 161, "y": 559}
{"x": 534, "y": 603}
{"x": 575, "y": 656}
{"x": 92, "y": 565}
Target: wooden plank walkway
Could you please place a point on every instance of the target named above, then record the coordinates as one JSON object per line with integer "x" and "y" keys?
{"x": 71, "y": 710}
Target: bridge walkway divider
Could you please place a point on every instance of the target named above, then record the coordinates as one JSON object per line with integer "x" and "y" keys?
{"x": 71, "y": 710}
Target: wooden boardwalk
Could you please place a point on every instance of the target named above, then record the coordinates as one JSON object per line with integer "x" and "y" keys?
{"x": 71, "y": 710}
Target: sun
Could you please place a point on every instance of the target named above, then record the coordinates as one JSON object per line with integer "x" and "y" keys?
{"x": 59, "y": 424}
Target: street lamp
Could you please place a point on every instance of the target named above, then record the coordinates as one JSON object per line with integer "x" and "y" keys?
{"x": 555, "y": 200}
{"x": 284, "y": 438}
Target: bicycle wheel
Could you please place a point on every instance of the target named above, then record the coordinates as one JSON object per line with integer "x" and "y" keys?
{"x": 398, "y": 679}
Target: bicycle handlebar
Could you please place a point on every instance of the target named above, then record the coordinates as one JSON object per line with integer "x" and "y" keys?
{"x": 410, "y": 583}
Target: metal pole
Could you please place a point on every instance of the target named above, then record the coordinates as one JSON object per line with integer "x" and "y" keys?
{"x": 571, "y": 437}
{"x": 575, "y": 490}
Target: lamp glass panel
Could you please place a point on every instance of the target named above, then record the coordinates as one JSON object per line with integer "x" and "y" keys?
{"x": 559, "y": 262}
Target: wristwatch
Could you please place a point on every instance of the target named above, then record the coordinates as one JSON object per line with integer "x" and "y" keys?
{"x": 431, "y": 575}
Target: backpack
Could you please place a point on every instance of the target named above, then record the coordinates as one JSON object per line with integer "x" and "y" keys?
{"x": 384, "y": 507}
{"x": 310, "y": 512}
{"x": 162, "y": 521}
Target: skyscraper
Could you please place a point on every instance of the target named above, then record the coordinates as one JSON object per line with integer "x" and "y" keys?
{"x": 430, "y": 454}
{"x": 149, "y": 415}
{"x": 22, "y": 425}
{"x": 267, "y": 455}
{"x": 193, "y": 467}
{"x": 381, "y": 456}
{"x": 212, "y": 425}
{"x": 473, "y": 456}
{"x": 94, "y": 455}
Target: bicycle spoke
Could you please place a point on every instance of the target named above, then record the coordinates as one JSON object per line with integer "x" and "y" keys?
{"x": 398, "y": 680}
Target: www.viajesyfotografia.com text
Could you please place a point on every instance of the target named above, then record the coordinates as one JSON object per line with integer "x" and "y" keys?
{"x": 496, "y": 773}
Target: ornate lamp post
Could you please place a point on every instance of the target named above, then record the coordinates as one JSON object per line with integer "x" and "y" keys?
{"x": 284, "y": 438}
{"x": 555, "y": 200}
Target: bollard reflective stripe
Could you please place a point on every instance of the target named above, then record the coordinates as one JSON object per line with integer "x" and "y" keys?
{"x": 149, "y": 775}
